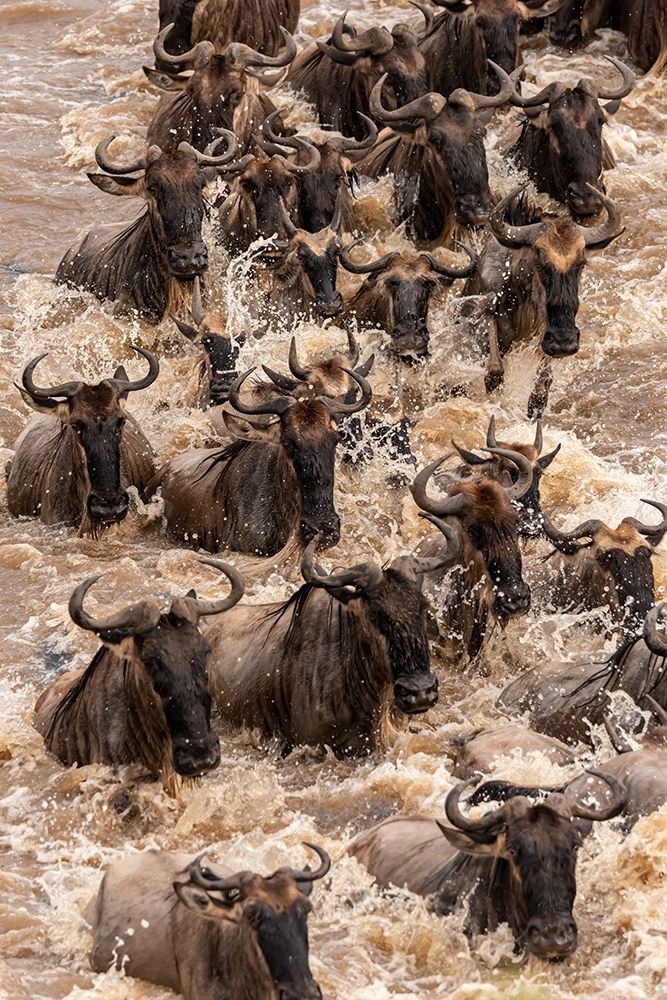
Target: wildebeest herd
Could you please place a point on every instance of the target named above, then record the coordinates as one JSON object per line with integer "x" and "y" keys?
{"x": 349, "y": 655}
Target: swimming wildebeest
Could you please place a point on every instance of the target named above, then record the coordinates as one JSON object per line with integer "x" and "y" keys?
{"x": 515, "y": 864}
{"x": 206, "y": 931}
{"x": 73, "y": 464}
{"x": 643, "y": 21}
{"x": 252, "y": 495}
{"x": 484, "y": 752}
{"x": 529, "y": 272}
{"x": 560, "y": 144}
{"x": 256, "y": 23}
{"x": 324, "y": 667}
{"x": 144, "y": 699}
{"x": 149, "y": 265}
{"x": 224, "y": 91}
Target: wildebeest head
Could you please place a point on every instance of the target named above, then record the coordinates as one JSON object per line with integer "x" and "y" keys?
{"x": 555, "y": 251}
{"x": 392, "y": 600}
{"x": 322, "y": 378}
{"x": 507, "y": 473}
{"x": 173, "y": 656}
{"x": 273, "y": 910}
{"x": 538, "y": 842}
{"x": 172, "y": 186}
{"x": 563, "y": 137}
{"x": 452, "y": 128}
{"x": 397, "y": 293}
{"x": 221, "y": 352}
{"x": 94, "y": 417}
{"x": 487, "y": 520}
{"x": 623, "y": 555}
{"x": 307, "y": 432}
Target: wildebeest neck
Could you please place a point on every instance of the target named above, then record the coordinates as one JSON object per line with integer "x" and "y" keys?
{"x": 632, "y": 575}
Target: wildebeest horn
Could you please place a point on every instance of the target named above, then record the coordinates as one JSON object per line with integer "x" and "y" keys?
{"x": 600, "y": 236}
{"x": 197, "y": 56}
{"x": 303, "y": 374}
{"x": 619, "y": 797}
{"x": 567, "y": 541}
{"x": 369, "y": 268}
{"x": 238, "y": 54}
{"x": 656, "y": 642}
{"x": 623, "y": 89}
{"x": 547, "y": 95}
{"x": 513, "y": 237}
{"x": 66, "y": 389}
{"x": 153, "y": 371}
{"x": 347, "y": 145}
{"x": 278, "y": 405}
{"x": 540, "y": 8}
{"x": 337, "y": 217}
{"x": 208, "y": 157}
{"x": 137, "y": 618}
{"x": 538, "y": 443}
{"x": 363, "y": 577}
{"x": 491, "y": 433}
{"x": 376, "y": 41}
{"x": 209, "y": 882}
{"x": 427, "y": 107}
{"x": 449, "y": 505}
{"x": 292, "y": 142}
{"x": 452, "y": 273}
{"x": 650, "y": 529}
{"x": 338, "y": 406}
{"x": 469, "y": 457}
{"x": 353, "y": 353}
{"x": 116, "y": 168}
{"x": 203, "y": 607}
{"x": 427, "y": 11}
{"x": 461, "y": 96}
{"x": 305, "y": 874}
{"x": 657, "y": 709}
{"x": 452, "y": 552}
{"x": 525, "y": 480}
{"x": 479, "y": 828}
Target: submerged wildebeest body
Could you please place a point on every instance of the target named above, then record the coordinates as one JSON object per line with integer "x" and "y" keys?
{"x": 338, "y": 76}
{"x": 529, "y": 273}
{"x": 435, "y": 150}
{"x": 74, "y": 463}
{"x": 148, "y": 266}
{"x": 256, "y": 23}
{"x": 397, "y": 293}
{"x": 487, "y": 581}
{"x": 596, "y": 566}
{"x": 515, "y": 864}
{"x": 206, "y": 931}
{"x": 324, "y": 668}
{"x": 643, "y": 21}
{"x": 560, "y": 144}
{"x": 565, "y": 700}
{"x": 226, "y": 90}
{"x": 253, "y": 495}
{"x": 487, "y": 751}
{"x": 144, "y": 698}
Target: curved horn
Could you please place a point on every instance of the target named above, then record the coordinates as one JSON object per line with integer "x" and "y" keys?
{"x": 488, "y": 100}
{"x": 338, "y": 406}
{"x": 208, "y": 882}
{"x": 513, "y": 237}
{"x": 376, "y": 40}
{"x": 452, "y": 273}
{"x": 278, "y": 405}
{"x": 116, "y": 168}
{"x": 282, "y": 381}
{"x": 429, "y": 17}
{"x": 203, "y": 607}
{"x": 313, "y": 164}
{"x": 656, "y": 642}
{"x": 452, "y": 552}
{"x": 369, "y": 268}
{"x": 600, "y": 236}
{"x": 625, "y": 86}
{"x": 657, "y": 709}
{"x": 303, "y": 374}
{"x": 350, "y": 146}
{"x": 447, "y": 506}
{"x": 305, "y": 874}
{"x": 427, "y": 107}
{"x": 619, "y": 797}
{"x": 474, "y": 827}
{"x": 525, "y": 480}
{"x": 136, "y": 618}
{"x": 208, "y": 157}
{"x": 238, "y": 54}
{"x": 197, "y": 56}
{"x": 650, "y": 529}
{"x": 363, "y": 577}
{"x": 66, "y": 389}
{"x": 547, "y": 95}
{"x": 469, "y": 457}
{"x": 148, "y": 379}
{"x": 567, "y": 541}
{"x": 491, "y": 433}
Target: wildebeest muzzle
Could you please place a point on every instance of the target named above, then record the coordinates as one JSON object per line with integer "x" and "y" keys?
{"x": 194, "y": 757}
{"x": 561, "y": 341}
{"x": 187, "y": 261}
{"x": 107, "y": 508}
{"x": 414, "y": 693}
{"x": 551, "y": 937}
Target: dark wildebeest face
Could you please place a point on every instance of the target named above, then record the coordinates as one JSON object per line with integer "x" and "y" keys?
{"x": 554, "y": 252}
{"x": 308, "y": 434}
{"x": 220, "y": 352}
{"x": 397, "y": 293}
{"x": 565, "y": 25}
{"x": 535, "y": 847}
{"x": 94, "y": 417}
{"x": 623, "y": 555}
{"x": 499, "y": 23}
{"x": 307, "y": 264}
{"x": 173, "y": 655}
{"x": 273, "y": 910}
{"x": 483, "y": 512}
{"x": 268, "y": 191}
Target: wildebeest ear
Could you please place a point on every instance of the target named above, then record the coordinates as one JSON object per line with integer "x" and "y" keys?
{"x": 611, "y": 107}
{"x": 192, "y": 593}
{"x": 121, "y": 374}
{"x": 58, "y": 408}
{"x": 118, "y": 185}
{"x": 165, "y": 81}
{"x": 201, "y": 903}
{"x": 462, "y": 842}
{"x": 246, "y": 431}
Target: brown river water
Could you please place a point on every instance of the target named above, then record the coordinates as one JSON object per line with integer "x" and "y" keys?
{"x": 70, "y": 75}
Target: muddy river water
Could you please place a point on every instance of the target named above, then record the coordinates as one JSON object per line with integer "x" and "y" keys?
{"x": 71, "y": 75}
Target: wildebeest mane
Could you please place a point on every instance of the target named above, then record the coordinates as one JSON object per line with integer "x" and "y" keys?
{"x": 222, "y": 457}
{"x": 74, "y": 693}
{"x": 523, "y": 212}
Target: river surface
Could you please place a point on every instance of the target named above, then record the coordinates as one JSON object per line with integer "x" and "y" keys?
{"x": 71, "y": 75}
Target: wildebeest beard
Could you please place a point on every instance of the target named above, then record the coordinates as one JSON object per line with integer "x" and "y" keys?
{"x": 283, "y": 940}
{"x": 499, "y": 547}
{"x": 633, "y": 578}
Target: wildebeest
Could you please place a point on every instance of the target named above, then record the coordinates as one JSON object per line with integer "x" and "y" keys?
{"x": 324, "y": 668}
{"x": 206, "y": 931}
{"x": 459, "y": 42}
{"x": 560, "y": 144}
{"x": 515, "y": 864}
{"x": 149, "y": 265}
{"x": 224, "y": 91}
{"x": 338, "y": 76}
{"x": 529, "y": 272}
{"x": 488, "y": 579}
{"x": 598, "y": 566}
{"x": 74, "y": 463}
{"x": 564, "y": 700}
{"x": 643, "y": 21}
{"x": 484, "y": 752}
{"x": 256, "y": 23}
{"x": 144, "y": 698}
{"x": 397, "y": 293}
{"x": 252, "y": 495}
{"x": 435, "y": 150}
